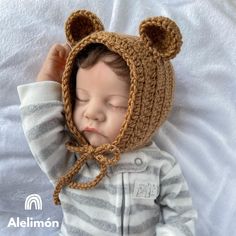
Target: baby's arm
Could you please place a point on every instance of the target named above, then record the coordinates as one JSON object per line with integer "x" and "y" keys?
{"x": 176, "y": 204}
{"x": 42, "y": 116}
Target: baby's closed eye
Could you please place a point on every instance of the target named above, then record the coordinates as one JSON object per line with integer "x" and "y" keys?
{"x": 117, "y": 106}
{"x": 117, "y": 102}
{"x": 82, "y": 99}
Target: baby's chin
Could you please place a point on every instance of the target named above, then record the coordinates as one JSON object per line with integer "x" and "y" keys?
{"x": 95, "y": 139}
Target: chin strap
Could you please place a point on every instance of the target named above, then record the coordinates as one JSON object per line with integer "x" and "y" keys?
{"x": 104, "y": 155}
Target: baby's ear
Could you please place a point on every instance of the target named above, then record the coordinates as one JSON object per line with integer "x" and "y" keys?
{"x": 162, "y": 34}
{"x": 81, "y": 24}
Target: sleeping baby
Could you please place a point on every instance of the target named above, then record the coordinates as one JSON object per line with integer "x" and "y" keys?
{"x": 89, "y": 120}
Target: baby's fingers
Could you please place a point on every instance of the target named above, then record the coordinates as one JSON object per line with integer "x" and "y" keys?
{"x": 63, "y": 50}
{"x": 54, "y": 64}
{"x": 59, "y": 51}
{"x": 67, "y": 49}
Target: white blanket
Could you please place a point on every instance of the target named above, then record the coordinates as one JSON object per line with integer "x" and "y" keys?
{"x": 200, "y": 132}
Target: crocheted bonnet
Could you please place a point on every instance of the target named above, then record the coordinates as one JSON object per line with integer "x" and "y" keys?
{"x": 151, "y": 86}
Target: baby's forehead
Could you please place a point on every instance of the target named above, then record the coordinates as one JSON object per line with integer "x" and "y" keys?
{"x": 118, "y": 75}
{"x": 101, "y": 76}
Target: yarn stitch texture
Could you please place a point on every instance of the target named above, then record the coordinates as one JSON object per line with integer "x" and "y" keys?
{"x": 151, "y": 87}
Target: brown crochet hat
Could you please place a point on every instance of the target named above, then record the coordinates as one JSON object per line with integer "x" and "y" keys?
{"x": 151, "y": 83}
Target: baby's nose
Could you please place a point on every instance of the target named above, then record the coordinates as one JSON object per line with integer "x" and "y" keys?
{"x": 95, "y": 111}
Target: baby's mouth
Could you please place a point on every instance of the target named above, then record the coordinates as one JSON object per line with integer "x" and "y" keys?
{"x": 90, "y": 129}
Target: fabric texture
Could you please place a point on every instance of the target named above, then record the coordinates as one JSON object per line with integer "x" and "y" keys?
{"x": 144, "y": 194}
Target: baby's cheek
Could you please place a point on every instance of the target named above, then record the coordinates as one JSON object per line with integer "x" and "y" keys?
{"x": 76, "y": 118}
{"x": 117, "y": 123}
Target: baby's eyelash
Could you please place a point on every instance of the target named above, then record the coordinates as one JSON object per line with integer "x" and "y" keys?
{"x": 81, "y": 100}
{"x": 117, "y": 107}
{"x": 110, "y": 105}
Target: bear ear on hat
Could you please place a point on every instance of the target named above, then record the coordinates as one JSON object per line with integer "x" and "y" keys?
{"x": 162, "y": 34}
{"x": 81, "y": 24}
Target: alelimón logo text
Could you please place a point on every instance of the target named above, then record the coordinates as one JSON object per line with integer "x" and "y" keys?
{"x": 33, "y": 201}
{"x": 31, "y": 223}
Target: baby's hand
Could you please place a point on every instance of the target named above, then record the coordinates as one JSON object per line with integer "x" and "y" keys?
{"x": 54, "y": 64}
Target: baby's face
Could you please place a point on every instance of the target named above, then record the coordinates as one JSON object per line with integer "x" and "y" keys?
{"x": 101, "y": 103}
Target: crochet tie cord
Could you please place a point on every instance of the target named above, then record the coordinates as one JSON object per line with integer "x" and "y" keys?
{"x": 151, "y": 88}
{"x": 87, "y": 152}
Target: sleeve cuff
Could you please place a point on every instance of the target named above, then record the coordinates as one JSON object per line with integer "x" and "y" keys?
{"x": 39, "y": 92}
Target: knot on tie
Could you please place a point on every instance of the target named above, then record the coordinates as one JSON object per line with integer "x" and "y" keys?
{"x": 105, "y": 155}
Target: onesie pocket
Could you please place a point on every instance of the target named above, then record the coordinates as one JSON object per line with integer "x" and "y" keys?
{"x": 144, "y": 213}
{"x": 144, "y": 190}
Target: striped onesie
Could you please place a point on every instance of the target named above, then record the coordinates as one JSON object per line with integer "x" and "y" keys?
{"x": 144, "y": 194}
